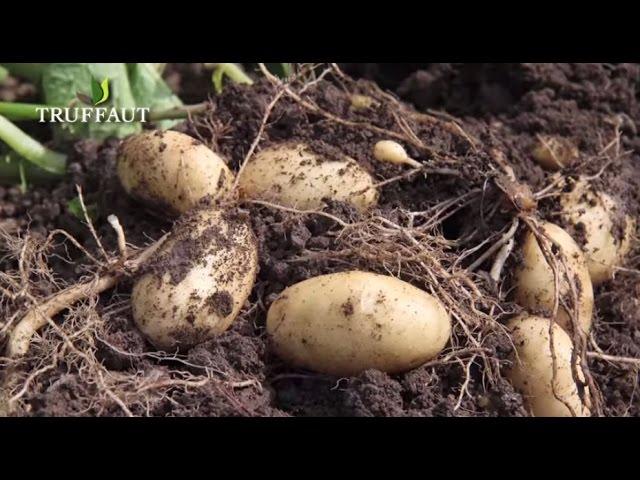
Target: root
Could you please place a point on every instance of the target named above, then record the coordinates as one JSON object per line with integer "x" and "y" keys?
{"x": 501, "y": 258}
{"x": 256, "y": 141}
{"x": 40, "y": 314}
{"x": 90, "y": 224}
{"x": 122, "y": 243}
{"x": 614, "y": 358}
{"x": 504, "y": 241}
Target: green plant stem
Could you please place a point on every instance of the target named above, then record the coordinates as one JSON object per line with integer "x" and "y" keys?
{"x": 31, "y": 149}
{"x": 231, "y": 70}
{"x": 235, "y": 73}
{"x": 178, "y": 112}
{"x": 12, "y": 168}
{"x": 20, "y": 111}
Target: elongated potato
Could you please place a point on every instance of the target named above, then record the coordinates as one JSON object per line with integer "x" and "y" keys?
{"x": 171, "y": 170}
{"x": 534, "y": 279}
{"x": 344, "y": 323}
{"x": 532, "y": 371}
{"x": 605, "y": 229}
{"x": 196, "y": 284}
{"x": 294, "y": 176}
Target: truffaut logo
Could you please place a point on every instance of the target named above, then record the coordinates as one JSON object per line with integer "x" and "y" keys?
{"x": 100, "y": 93}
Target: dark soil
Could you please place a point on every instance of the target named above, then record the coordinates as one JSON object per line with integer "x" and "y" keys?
{"x": 503, "y": 105}
{"x": 582, "y": 102}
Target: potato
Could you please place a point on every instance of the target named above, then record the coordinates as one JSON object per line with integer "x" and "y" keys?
{"x": 596, "y": 216}
{"x": 294, "y": 176}
{"x": 345, "y": 323}
{"x": 392, "y": 152}
{"x": 554, "y": 153}
{"x": 195, "y": 285}
{"x": 532, "y": 369}
{"x": 362, "y": 102}
{"x": 534, "y": 280}
{"x": 171, "y": 170}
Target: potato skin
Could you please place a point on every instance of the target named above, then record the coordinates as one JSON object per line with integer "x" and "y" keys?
{"x": 532, "y": 369}
{"x": 345, "y": 323}
{"x": 534, "y": 280}
{"x": 293, "y": 176}
{"x": 595, "y": 212}
{"x": 194, "y": 286}
{"x": 554, "y": 153}
{"x": 171, "y": 170}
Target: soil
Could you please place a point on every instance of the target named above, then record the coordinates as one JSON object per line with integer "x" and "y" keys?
{"x": 504, "y": 106}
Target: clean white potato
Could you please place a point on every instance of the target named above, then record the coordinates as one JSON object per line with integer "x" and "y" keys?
{"x": 171, "y": 170}
{"x": 532, "y": 371}
{"x": 534, "y": 279}
{"x": 596, "y": 217}
{"x": 294, "y": 176}
{"x": 554, "y": 153}
{"x": 195, "y": 285}
{"x": 345, "y": 323}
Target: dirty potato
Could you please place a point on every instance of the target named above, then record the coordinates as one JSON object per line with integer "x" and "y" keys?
{"x": 294, "y": 176}
{"x": 194, "y": 286}
{"x": 171, "y": 170}
{"x": 534, "y": 278}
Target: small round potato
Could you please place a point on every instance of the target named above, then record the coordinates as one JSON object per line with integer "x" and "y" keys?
{"x": 532, "y": 369}
{"x": 597, "y": 217}
{"x": 534, "y": 279}
{"x": 195, "y": 285}
{"x": 293, "y": 176}
{"x": 345, "y": 323}
{"x": 171, "y": 170}
{"x": 554, "y": 153}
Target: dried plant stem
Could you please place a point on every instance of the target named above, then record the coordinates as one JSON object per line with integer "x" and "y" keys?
{"x": 614, "y": 358}
{"x": 256, "y": 141}
{"x": 340, "y": 222}
{"x": 90, "y": 224}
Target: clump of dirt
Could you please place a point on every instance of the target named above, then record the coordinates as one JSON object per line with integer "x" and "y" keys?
{"x": 502, "y": 107}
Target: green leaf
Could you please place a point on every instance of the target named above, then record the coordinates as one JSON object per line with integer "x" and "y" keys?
{"x": 75, "y": 208}
{"x": 4, "y": 73}
{"x": 150, "y": 90}
{"x": 282, "y": 70}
